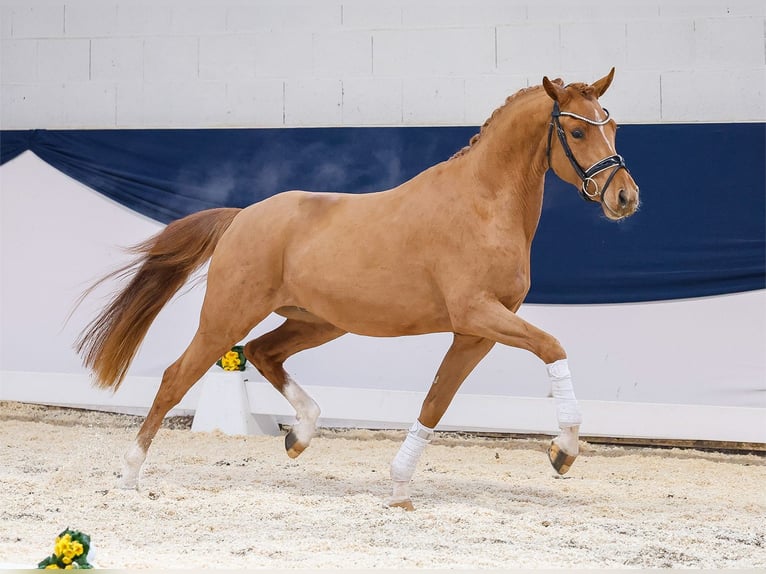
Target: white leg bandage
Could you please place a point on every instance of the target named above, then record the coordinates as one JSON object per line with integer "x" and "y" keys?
{"x": 567, "y": 409}
{"x": 406, "y": 460}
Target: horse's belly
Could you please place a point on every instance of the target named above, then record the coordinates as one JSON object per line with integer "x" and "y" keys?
{"x": 373, "y": 304}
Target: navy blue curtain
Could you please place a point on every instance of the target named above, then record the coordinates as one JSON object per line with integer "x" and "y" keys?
{"x": 701, "y": 230}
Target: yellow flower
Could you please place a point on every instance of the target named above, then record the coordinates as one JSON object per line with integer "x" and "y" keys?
{"x": 69, "y": 567}
{"x": 62, "y": 543}
{"x": 230, "y": 361}
{"x": 77, "y": 548}
{"x": 52, "y": 567}
{"x": 67, "y": 559}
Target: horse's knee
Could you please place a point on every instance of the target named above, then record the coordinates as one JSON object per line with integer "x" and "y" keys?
{"x": 551, "y": 350}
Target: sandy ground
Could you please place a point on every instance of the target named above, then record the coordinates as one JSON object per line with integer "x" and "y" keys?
{"x": 209, "y": 500}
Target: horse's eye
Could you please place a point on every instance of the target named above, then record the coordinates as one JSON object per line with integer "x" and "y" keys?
{"x": 578, "y": 134}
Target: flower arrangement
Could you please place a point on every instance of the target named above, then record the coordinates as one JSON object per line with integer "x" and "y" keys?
{"x": 234, "y": 360}
{"x": 69, "y": 553}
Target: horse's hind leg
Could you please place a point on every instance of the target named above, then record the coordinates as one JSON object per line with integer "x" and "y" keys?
{"x": 269, "y": 352}
{"x": 464, "y": 354}
{"x": 205, "y": 348}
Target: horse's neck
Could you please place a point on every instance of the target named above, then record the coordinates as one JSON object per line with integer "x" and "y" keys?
{"x": 509, "y": 162}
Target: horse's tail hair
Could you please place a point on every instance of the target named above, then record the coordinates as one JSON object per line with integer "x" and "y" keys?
{"x": 163, "y": 264}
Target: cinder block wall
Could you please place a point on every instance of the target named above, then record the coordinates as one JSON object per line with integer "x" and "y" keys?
{"x": 269, "y": 63}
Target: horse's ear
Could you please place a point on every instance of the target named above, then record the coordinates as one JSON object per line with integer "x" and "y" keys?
{"x": 600, "y": 86}
{"x": 555, "y": 89}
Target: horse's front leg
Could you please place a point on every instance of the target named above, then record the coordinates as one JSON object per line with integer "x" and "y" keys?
{"x": 565, "y": 447}
{"x": 489, "y": 318}
{"x": 464, "y": 354}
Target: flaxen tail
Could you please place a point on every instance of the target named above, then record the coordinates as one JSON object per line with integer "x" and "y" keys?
{"x": 164, "y": 263}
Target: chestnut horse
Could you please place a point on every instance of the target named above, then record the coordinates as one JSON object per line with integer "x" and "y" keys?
{"x": 447, "y": 251}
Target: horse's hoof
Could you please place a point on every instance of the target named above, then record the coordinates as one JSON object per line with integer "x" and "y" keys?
{"x": 560, "y": 460}
{"x": 406, "y": 504}
{"x": 292, "y": 446}
{"x": 126, "y": 484}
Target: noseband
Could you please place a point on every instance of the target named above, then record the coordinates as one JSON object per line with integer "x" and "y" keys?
{"x": 585, "y": 175}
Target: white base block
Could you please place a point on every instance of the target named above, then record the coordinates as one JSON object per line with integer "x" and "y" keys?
{"x": 224, "y": 405}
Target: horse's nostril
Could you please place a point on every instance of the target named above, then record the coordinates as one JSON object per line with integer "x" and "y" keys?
{"x": 623, "y": 198}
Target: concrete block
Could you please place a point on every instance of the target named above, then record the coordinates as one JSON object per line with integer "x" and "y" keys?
{"x": 433, "y": 101}
{"x": 37, "y": 20}
{"x": 714, "y": 96}
{"x": 171, "y": 105}
{"x": 592, "y": 11}
{"x": 372, "y": 102}
{"x": 313, "y": 102}
{"x": 441, "y": 52}
{"x": 256, "y": 103}
{"x": 57, "y": 106}
{"x": 90, "y": 19}
{"x": 18, "y": 61}
{"x": 495, "y": 12}
{"x": 318, "y": 15}
{"x": 63, "y": 60}
{"x": 143, "y": 19}
{"x": 6, "y": 20}
{"x": 170, "y": 58}
{"x": 117, "y": 59}
{"x": 689, "y": 9}
{"x": 88, "y": 105}
{"x": 634, "y": 97}
{"x": 529, "y": 48}
{"x": 490, "y": 13}
{"x": 484, "y": 94}
{"x": 230, "y": 57}
{"x": 729, "y": 43}
{"x": 195, "y": 18}
{"x": 342, "y": 53}
{"x": 660, "y": 45}
{"x": 755, "y": 8}
{"x": 22, "y": 107}
{"x": 371, "y": 15}
{"x": 283, "y": 53}
{"x": 592, "y": 54}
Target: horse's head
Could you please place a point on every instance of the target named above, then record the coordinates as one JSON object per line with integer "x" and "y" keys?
{"x": 581, "y": 147}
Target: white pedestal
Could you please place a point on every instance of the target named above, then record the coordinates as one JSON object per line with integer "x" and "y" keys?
{"x": 224, "y": 405}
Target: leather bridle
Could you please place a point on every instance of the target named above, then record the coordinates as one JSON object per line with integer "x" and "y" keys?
{"x": 586, "y": 175}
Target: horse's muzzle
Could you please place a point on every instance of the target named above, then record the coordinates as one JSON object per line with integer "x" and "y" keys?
{"x": 621, "y": 201}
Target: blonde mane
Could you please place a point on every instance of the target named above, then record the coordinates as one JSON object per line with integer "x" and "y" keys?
{"x": 508, "y": 101}
{"x": 585, "y": 90}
